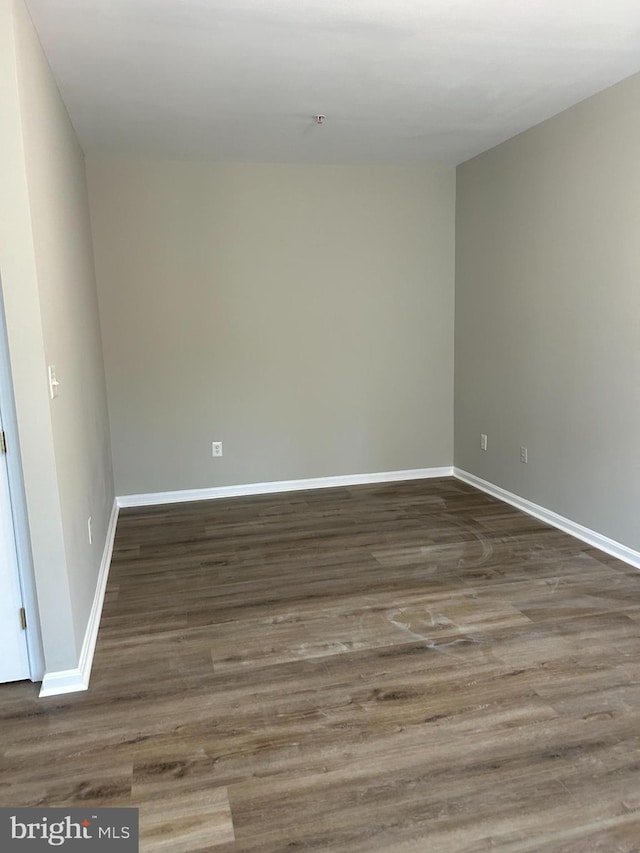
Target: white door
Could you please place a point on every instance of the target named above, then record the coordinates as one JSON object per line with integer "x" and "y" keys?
{"x": 14, "y": 660}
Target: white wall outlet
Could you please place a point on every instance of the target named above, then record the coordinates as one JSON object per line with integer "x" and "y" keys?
{"x": 483, "y": 442}
{"x": 90, "y": 531}
{"x": 216, "y": 448}
{"x": 524, "y": 456}
{"x": 53, "y": 382}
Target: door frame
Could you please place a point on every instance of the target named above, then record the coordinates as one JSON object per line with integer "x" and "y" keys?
{"x": 26, "y": 574}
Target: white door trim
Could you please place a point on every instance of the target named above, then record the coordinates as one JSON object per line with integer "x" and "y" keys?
{"x": 19, "y": 508}
{"x": 14, "y": 660}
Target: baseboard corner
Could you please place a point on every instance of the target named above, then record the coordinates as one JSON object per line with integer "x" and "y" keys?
{"x": 77, "y": 679}
{"x": 62, "y": 681}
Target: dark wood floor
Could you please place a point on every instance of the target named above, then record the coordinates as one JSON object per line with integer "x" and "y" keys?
{"x": 411, "y": 668}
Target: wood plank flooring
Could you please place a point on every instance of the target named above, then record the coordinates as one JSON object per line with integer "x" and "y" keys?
{"x": 411, "y": 668}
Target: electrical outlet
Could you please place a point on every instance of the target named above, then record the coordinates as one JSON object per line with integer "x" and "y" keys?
{"x": 216, "y": 448}
{"x": 524, "y": 456}
{"x": 90, "y": 531}
{"x": 483, "y": 442}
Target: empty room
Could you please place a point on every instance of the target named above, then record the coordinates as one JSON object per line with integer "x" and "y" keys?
{"x": 320, "y": 426}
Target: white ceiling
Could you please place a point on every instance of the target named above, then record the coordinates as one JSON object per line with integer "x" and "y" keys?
{"x": 398, "y": 80}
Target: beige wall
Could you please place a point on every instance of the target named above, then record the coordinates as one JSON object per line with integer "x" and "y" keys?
{"x": 51, "y": 312}
{"x": 548, "y": 314}
{"x": 301, "y": 315}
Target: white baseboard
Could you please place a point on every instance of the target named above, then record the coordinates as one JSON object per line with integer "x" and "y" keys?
{"x": 158, "y": 498}
{"x": 73, "y": 680}
{"x": 603, "y": 543}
